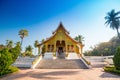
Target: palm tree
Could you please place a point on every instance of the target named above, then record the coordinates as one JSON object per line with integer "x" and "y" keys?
{"x": 23, "y": 33}
{"x": 35, "y": 44}
{"x": 28, "y": 50}
{"x": 112, "y": 19}
{"x": 79, "y": 38}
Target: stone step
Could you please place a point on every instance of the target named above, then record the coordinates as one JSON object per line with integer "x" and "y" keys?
{"x": 61, "y": 55}
{"x": 61, "y": 64}
{"x": 24, "y": 62}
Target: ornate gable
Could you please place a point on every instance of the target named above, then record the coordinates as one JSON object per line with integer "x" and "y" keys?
{"x": 60, "y": 27}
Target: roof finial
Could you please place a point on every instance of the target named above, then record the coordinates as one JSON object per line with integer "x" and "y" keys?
{"x": 60, "y": 22}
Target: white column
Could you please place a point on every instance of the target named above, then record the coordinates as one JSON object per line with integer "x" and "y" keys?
{"x": 41, "y": 49}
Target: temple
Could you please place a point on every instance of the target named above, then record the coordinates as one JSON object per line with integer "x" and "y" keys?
{"x": 60, "y": 42}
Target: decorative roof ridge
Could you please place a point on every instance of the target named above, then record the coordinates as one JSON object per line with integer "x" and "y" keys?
{"x": 61, "y": 25}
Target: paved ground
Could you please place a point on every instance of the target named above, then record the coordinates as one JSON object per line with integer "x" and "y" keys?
{"x": 61, "y": 74}
{"x": 96, "y": 73}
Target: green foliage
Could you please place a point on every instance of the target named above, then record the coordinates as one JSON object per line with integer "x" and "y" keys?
{"x": 116, "y": 59}
{"x": 2, "y": 47}
{"x": 112, "y": 19}
{"x": 104, "y": 48}
{"x": 8, "y": 55}
{"x": 79, "y": 38}
{"x": 111, "y": 69}
{"x": 36, "y": 43}
{"x": 23, "y": 33}
{"x": 43, "y": 49}
{"x": 28, "y": 51}
{"x": 5, "y": 60}
{"x": 9, "y": 44}
{"x": 15, "y": 52}
{"x": 10, "y": 69}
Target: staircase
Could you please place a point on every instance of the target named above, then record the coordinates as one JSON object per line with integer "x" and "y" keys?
{"x": 61, "y": 55}
{"x": 23, "y": 62}
{"x": 61, "y": 64}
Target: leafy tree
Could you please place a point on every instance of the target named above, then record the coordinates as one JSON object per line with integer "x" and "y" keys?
{"x": 23, "y": 33}
{"x": 105, "y": 48}
{"x": 112, "y": 19}
{"x": 116, "y": 59}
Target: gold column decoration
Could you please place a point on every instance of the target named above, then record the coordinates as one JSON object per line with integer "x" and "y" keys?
{"x": 54, "y": 51}
{"x": 66, "y": 50}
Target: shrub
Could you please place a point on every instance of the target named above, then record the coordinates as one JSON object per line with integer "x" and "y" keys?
{"x": 5, "y": 60}
{"x": 116, "y": 59}
{"x": 111, "y": 69}
{"x": 15, "y": 52}
{"x": 10, "y": 69}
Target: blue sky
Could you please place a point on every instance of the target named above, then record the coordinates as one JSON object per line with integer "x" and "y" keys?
{"x": 41, "y": 17}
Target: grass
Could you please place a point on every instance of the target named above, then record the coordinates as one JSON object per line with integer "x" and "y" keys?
{"x": 11, "y": 69}
{"x": 111, "y": 69}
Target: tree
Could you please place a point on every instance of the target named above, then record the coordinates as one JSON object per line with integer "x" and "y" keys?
{"x": 79, "y": 38}
{"x": 23, "y": 33}
{"x": 17, "y": 44}
{"x": 9, "y": 44}
{"x": 1, "y": 47}
{"x": 35, "y": 44}
{"x": 105, "y": 48}
{"x": 28, "y": 51}
{"x": 15, "y": 51}
{"x": 116, "y": 59}
{"x": 112, "y": 19}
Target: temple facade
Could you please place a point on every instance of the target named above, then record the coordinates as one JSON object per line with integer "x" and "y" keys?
{"x": 61, "y": 42}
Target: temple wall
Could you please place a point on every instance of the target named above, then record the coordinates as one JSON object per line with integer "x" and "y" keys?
{"x": 64, "y": 41}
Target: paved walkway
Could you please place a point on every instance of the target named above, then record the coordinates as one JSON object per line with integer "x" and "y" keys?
{"x": 96, "y": 73}
{"x": 61, "y": 74}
